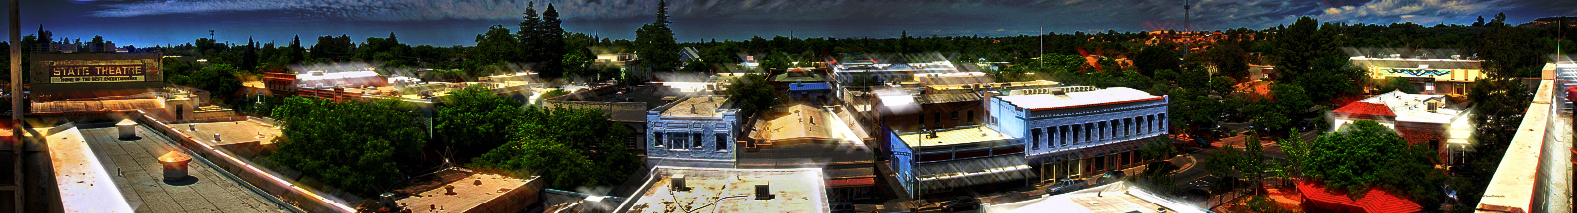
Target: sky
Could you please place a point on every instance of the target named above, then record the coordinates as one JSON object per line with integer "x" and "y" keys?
{"x": 146, "y": 23}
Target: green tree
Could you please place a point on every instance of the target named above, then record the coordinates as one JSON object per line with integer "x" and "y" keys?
{"x": 1291, "y": 99}
{"x": 551, "y": 94}
{"x": 218, "y": 79}
{"x": 333, "y": 48}
{"x": 495, "y": 46}
{"x": 1300, "y": 45}
{"x": 355, "y": 146}
{"x": 1398, "y": 84}
{"x": 751, "y": 93}
{"x": 295, "y": 53}
{"x": 1159, "y": 57}
{"x": 655, "y": 42}
{"x": 249, "y": 57}
{"x": 569, "y": 147}
{"x": 474, "y": 120}
{"x": 551, "y": 44}
{"x": 1365, "y": 155}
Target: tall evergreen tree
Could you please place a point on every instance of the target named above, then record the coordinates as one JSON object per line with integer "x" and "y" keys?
{"x": 249, "y": 56}
{"x": 655, "y": 42}
{"x": 551, "y": 44}
{"x": 295, "y": 52}
{"x": 530, "y": 33}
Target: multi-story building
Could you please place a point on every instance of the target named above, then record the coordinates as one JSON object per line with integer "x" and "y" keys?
{"x": 1026, "y": 135}
{"x": 1430, "y": 120}
{"x": 1450, "y": 76}
{"x": 696, "y": 132}
{"x": 1079, "y": 131}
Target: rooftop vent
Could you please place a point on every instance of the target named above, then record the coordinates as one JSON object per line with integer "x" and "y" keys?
{"x": 764, "y": 192}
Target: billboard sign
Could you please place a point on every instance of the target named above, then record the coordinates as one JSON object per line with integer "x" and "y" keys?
{"x": 87, "y": 75}
{"x": 96, "y": 71}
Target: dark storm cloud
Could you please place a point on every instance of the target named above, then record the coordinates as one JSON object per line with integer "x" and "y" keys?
{"x": 740, "y": 19}
{"x": 1153, "y": 13}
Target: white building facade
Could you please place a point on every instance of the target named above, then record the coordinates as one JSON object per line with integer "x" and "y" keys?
{"x": 1080, "y": 133}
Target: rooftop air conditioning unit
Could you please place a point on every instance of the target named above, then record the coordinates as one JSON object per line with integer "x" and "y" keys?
{"x": 763, "y": 192}
{"x": 678, "y": 182}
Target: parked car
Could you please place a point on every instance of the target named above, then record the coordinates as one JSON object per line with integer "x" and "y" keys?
{"x": 1064, "y": 186}
{"x": 961, "y": 203}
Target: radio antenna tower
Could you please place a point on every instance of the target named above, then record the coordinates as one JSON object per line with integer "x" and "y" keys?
{"x": 1187, "y": 27}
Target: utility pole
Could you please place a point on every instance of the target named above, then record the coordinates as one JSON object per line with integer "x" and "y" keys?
{"x": 16, "y": 105}
{"x": 1042, "y": 37}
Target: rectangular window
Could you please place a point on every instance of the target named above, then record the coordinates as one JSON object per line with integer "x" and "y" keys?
{"x": 1051, "y": 137}
{"x": 1127, "y": 126}
{"x": 1076, "y": 133}
{"x": 1063, "y": 132}
{"x": 695, "y": 141}
{"x": 955, "y": 115}
{"x": 722, "y": 142}
{"x": 1034, "y": 138}
{"x": 1114, "y": 125}
{"x": 657, "y": 138}
{"x": 1100, "y": 130}
{"x": 676, "y": 140}
{"x": 1089, "y": 132}
{"x": 1161, "y": 122}
{"x": 1149, "y": 123}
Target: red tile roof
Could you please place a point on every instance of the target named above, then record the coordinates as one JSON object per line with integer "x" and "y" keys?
{"x": 1365, "y": 110}
{"x": 1374, "y": 201}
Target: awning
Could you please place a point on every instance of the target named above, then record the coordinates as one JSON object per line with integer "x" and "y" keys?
{"x": 972, "y": 172}
{"x": 855, "y": 182}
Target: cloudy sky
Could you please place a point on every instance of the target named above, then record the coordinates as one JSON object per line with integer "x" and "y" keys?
{"x": 456, "y": 22}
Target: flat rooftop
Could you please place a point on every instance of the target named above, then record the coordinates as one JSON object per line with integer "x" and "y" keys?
{"x": 1412, "y": 107}
{"x": 795, "y": 122}
{"x": 731, "y": 190}
{"x": 468, "y": 195}
{"x": 954, "y": 136}
{"x": 136, "y": 173}
{"x": 697, "y": 107}
{"x": 231, "y": 132}
{"x": 1110, "y": 198}
{"x": 1077, "y": 99}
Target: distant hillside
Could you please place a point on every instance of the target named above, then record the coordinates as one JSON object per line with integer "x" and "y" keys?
{"x": 1551, "y": 21}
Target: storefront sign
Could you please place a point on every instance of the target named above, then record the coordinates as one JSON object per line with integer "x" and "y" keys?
{"x": 96, "y": 73}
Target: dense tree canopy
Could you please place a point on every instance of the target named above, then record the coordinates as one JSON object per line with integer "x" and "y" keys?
{"x": 473, "y": 120}
{"x": 751, "y": 93}
{"x": 1366, "y": 155}
{"x": 355, "y": 146}
{"x": 655, "y": 42}
{"x": 219, "y": 80}
{"x": 569, "y": 147}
